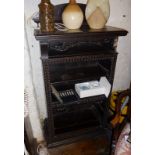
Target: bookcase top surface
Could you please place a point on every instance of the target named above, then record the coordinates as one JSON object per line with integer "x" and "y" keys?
{"x": 85, "y": 31}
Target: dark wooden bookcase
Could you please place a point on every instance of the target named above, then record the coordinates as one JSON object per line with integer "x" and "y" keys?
{"x": 71, "y": 57}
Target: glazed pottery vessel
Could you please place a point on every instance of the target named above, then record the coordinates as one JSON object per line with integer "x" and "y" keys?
{"x": 46, "y": 16}
{"x": 97, "y": 13}
{"x": 72, "y": 15}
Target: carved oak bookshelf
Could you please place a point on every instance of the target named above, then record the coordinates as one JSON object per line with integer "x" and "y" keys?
{"x": 68, "y": 58}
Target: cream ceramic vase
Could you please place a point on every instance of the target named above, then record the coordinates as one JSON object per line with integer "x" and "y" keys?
{"x": 72, "y": 15}
{"x": 97, "y": 13}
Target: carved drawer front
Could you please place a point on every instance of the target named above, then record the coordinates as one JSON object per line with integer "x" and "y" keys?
{"x": 62, "y": 46}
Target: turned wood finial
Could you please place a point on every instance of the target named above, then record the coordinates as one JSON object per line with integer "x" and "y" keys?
{"x": 72, "y": 1}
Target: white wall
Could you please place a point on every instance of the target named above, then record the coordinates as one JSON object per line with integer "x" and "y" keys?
{"x": 119, "y": 17}
{"x": 31, "y": 103}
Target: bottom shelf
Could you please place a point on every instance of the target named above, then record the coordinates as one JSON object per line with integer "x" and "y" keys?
{"x": 76, "y": 120}
{"x": 59, "y": 140}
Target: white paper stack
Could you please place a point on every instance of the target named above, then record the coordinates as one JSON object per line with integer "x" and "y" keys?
{"x": 93, "y": 88}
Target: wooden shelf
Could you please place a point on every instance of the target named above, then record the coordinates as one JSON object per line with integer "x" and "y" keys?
{"x": 77, "y": 72}
{"x": 72, "y": 98}
{"x": 79, "y": 120}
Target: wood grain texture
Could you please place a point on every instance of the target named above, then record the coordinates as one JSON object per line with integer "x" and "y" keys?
{"x": 87, "y": 147}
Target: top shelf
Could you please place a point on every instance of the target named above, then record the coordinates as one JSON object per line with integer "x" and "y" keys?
{"x": 85, "y": 31}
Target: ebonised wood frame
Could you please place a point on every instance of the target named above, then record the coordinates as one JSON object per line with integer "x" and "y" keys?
{"x": 85, "y": 48}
